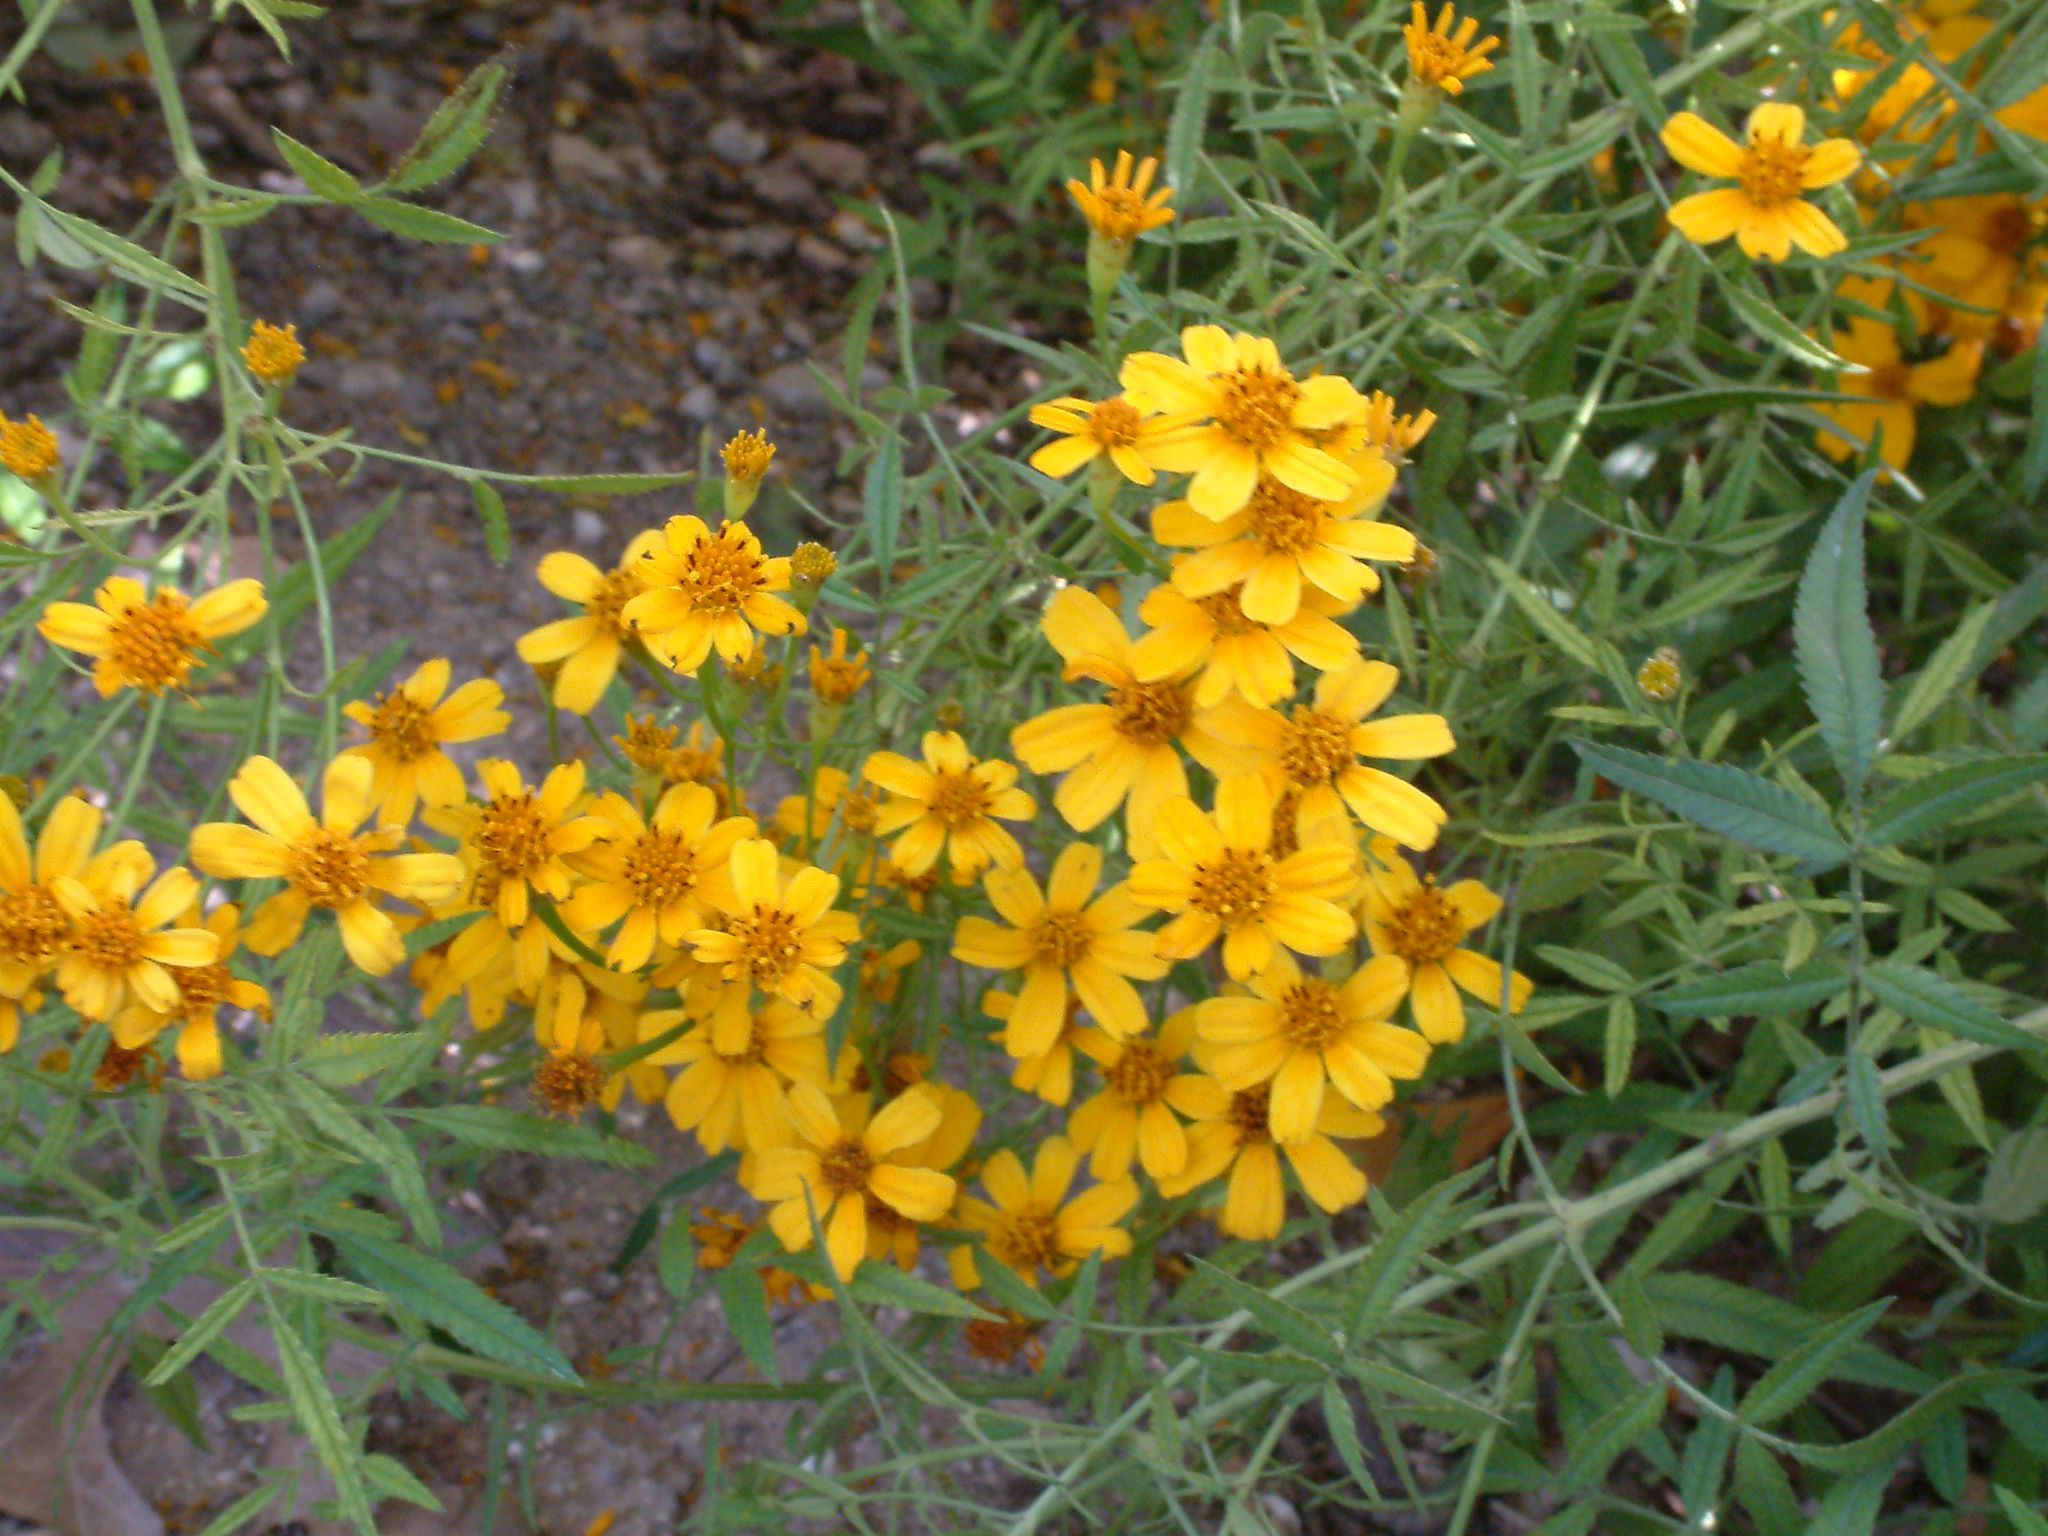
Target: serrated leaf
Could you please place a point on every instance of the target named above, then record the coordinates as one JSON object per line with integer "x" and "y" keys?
{"x": 1544, "y": 614}
{"x": 427, "y": 224}
{"x": 1833, "y": 643}
{"x": 233, "y": 214}
{"x": 745, "y": 1302}
{"x": 1190, "y": 112}
{"x": 124, "y": 255}
{"x": 1398, "y": 1250}
{"x": 1793, "y": 1378}
{"x": 441, "y": 1295}
{"x": 1273, "y": 1317}
{"x": 2016, "y": 1182}
{"x": 883, "y": 1284}
{"x": 457, "y": 129}
{"x": 391, "y": 1479}
{"x": 1940, "y": 799}
{"x": 1009, "y": 1288}
{"x": 675, "y": 1260}
{"x": 202, "y": 1331}
{"x": 1954, "y": 662}
{"x": 313, "y": 1405}
{"x": 1762, "y": 317}
{"x": 1599, "y": 1444}
{"x": 1738, "y": 804}
{"x": 511, "y": 1130}
{"x": 490, "y": 510}
{"x": 1596, "y": 971}
{"x": 1730, "y": 1316}
{"x": 323, "y": 178}
{"x": 882, "y": 502}
{"x": 341, "y": 1059}
{"x": 1939, "y": 1003}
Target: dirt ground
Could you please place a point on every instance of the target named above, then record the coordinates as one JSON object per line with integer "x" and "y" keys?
{"x": 667, "y": 177}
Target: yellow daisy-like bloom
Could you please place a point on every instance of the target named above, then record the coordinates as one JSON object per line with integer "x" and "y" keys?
{"x": 1389, "y": 431}
{"x": 1982, "y": 252}
{"x": 1133, "y": 1117}
{"x": 1063, "y": 936}
{"x": 1090, "y": 428}
{"x": 1116, "y": 204}
{"x": 661, "y": 874}
{"x": 1220, "y": 877}
{"x": 1424, "y": 927}
{"x": 835, "y": 794}
{"x": 781, "y": 939}
{"x": 892, "y": 1235}
{"x": 324, "y": 862}
{"x": 1661, "y": 674}
{"x": 949, "y": 803}
{"x": 273, "y": 353}
{"x": 837, "y": 677}
{"x": 522, "y": 836}
{"x": 701, "y": 757}
{"x": 408, "y": 727}
{"x": 1297, "y": 1031}
{"x": 1444, "y": 58}
{"x": 201, "y": 991}
{"x": 1765, "y": 211}
{"x": 1232, "y": 1134}
{"x": 569, "y": 1079}
{"x": 1315, "y": 752}
{"x": 1284, "y": 543}
{"x": 28, "y": 448}
{"x": 1233, "y": 653}
{"x": 149, "y": 641}
{"x": 1049, "y": 1075}
{"x": 121, "y": 947}
{"x": 1258, "y": 418}
{"x": 646, "y": 743}
{"x": 587, "y": 647}
{"x": 1121, "y": 750}
{"x": 706, "y": 589}
{"x": 33, "y": 924}
{"x": 1892, "y": 391}
{"x": 845, "y": 1163}
{"x": 1030, "y": 1226}
{"x": 738, "y": 1098}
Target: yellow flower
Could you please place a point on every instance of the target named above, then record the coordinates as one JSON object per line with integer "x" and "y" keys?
{"x": 1423, "y": 926}
{"x": 1133, "y": 1116}
{"x": 1440, "y": 57}
{"x": 28, "y": 448}
{"x": 706, "y": 589}
{"x": 120, "y": 946}
{"x": 1116, "y": 204}
{"x": 33, "y": 924}
{"x": 569, "y": 1078}
{"x": 201, "y": 991}
{"x": 1660, "y": 674}
{"x": 893, "y": 1235}
{"x": 838, "y": 677}
{"x": 949, "y": 803}
{"x": 149, "y": 641}
{"x": 1091, "y": 428}
{"x": 1233, "y": 653}
{"x": 1389, "y": 431}
{"x": 1059, "y": 937}
{"x": 324, "y": 862}
{"x": 1122, "y": 749}
{"x": 1028, "y": 1224}
{"x": 1893, "y": 390}
{"x": 834, "y": 794}
{"x": 273, "y": 353}
{"x": 647, "y": 744}
{"x": 700, "y": 758}
{"x": 1765, "y": 210}
{"x": 811, "y": 565}
{"x": 739, "y": 1098}
{"x": 1315, "y": 750}
{"x": 1981, "y": 252}
{"x": 844, "y": 1164}
{"x": 746, "y": 456}
{"x": 1260, "y": 418}
{"x": 661, "y": 874}
{"x": 587, "y": 647}
{"x": 522, "y": 836}
{"x": 408, "y": 727}
{"x": 782, "y": 939}
{"x": 1220, "y": 877}
{"x": 1283, "y": 543}
{"x": 1298, "y": 1032}
{"x": 1232, "y": 1134}
{"x": 1049, "y": 1075}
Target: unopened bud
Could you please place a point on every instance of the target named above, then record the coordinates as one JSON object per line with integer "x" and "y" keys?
{"x": 1661, "y": 676}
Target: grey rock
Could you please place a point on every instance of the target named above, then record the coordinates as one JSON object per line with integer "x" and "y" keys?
{"x": 699, "y": 403}
{"x": 586, "y": 527}
{"x": 821, "y": 255}
{"x": 833, "y": 163}
{"x": 736, "y": 142}
{"x": 644, "y": 253}
{"x": 575, "y": 158}
{"x": 790, "y": 387}
{"x": 763, "y": 242}
{"x": 781, "y": 185}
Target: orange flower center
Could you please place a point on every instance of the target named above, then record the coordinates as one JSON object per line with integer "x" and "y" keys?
{"x": 1224, "y": 612}
{"x": 404, "y": 727}
{"x": 857, "y": 811}
{"x": 1283, "y": 519}
{"x": 202, "y": 988}
{"x": 959, "y": 798}
{"x": 1256, "y": 406}
{"x": 835, "y": 679}
{"x": 568, "y": 1085}
{"x": 2010, "y": 229}
{"x": 109, "y": 939}
{"x": 846, "y": 1166}
{"x": 1235, "y": 887}
{"x": 647, "y": 746}
{"x": 328, "y": 869}
{"x": 1771, "y": 172}
{"x": 118, "y": 1068}
{"x": 770, "y": 947}
{"x": 613, "y": 593}
{"x": 1140, "y": 1074}
{"x": 1062, "y": 938}
{"x": 661, "y": 867}
{"x": 720, "y": 573}
{"x": 1425, "y": 927}
{"x": 1886, "y": 381}
{"x": 32, "y": 926}
{"x": 512, "y": 836}
{"x": 1025, "y": 1240}
{"x": 1309, "y": 1015}
{"x": 1247, "y": 1114}
{"x": 694, "y": 764}
{"x": 155, "y": 645}
{"x": 1315, "y": 747}
{"x": 1149, "y": 713}
{"x": 1114, "y": 422}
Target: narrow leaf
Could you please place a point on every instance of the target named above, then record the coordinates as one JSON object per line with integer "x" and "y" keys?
{"x": 428, "y": 224}
{"x": 1601, "y": 1442}
{"x": 1724, "y": 799}
{"x": 1937, "y": 801}
{"x": 1790, "y": 1381}
{"x": 1833, "y": 643}
{"x": 1272, "y": 1316}
{"x": 440, "y": 1294}
{"x": 323, "y": 178}
{"x": 1758, "y": 989}
{"x": 1939, "y": 1003}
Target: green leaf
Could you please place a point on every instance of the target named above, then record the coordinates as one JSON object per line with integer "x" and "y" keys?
{"x": 202, "y": 1331}
{"x": 1724, "y": 799}
{"x": 428, "y": 224}
{"x": 1878, "y": 1449}
{"x": 1596, "y": 1447}
{"x": 510, "y": 1130}
{"x": 600, "y": 485}
{"x": 1759, "y": 989}
{"x": 1343, "y": 1427}
{"x": 234, "y": 214}
{"x": 1792, "y": 1379}
{"x": 1850, "y": 1508}
{"x": 1939, "y": 1003}
{"x": 127, "y": 257}
{"x": 490, "y": 508}
{"x": 1758, "y": 313}
{"x": 1833, "y": 643}
{"x": 1190, "y": 113}
{"x": 745, "y": 1301}
{"x": 1937, "y": 801}
{"x": 1273, "y": 1317}
{"x": 323, "y": 178}
{"x": 1545, "y": 615}
{"x": 313, "y": 1405}
{"x": 675, "y": 1261}
{"x": 1009, "y": 1288}
{"x": 1956, "y": 660}
{"x": 390, "y": 1479}
{"x": 2016, "y": 1182}
{"x": 1730, "y": 1316}
{"x": 2025, "y": 1521}
{"x": 883, "y": 1284}
{"x": 1398, "y": 1250}
{"x": 457, "y": 129}
{"x": 439, "y": 1294}
{"x": 1619, "y": 1044}
{"x": 882, "y": 502}
{"x": 338, "y": 1060}
{"x": 293, "y": 593}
